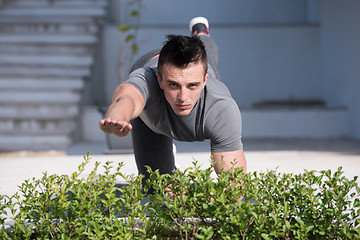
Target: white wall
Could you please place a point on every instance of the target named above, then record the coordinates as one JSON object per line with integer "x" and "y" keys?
{"x": 269, "y": 50}
{"x": 270, "y": 62}
{"x": 166, "y": 12}
{"x": 295, "y": 123}
{"x": 266, "y": 50}
{"x": 257, "y": 63}
{"x": 340, "y": 51}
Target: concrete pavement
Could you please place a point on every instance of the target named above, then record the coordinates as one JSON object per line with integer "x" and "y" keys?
{"x": 288, "y": 156}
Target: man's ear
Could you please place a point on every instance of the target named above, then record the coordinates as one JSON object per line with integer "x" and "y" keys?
{"x": 159, "y": 80}
{"x": 205, "y": 78}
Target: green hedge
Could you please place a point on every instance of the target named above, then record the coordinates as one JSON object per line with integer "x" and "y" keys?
{"x": 311, "y": 205}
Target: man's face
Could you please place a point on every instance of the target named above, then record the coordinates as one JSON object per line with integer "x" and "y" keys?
{"x": 182, "y": 87}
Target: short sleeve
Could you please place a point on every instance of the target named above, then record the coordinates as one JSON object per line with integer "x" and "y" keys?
{"x": 145, "y": 80}
{"x": 225, "y": 126}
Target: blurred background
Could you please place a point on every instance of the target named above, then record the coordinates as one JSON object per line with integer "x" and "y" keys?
{"x": 293, "y": 67}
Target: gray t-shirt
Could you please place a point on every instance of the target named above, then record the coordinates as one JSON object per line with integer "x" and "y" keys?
{"x": 215, "y": 116}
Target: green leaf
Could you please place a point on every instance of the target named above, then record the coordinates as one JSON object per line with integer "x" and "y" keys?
{"x": 205, "y": 206}
{"x": 125, "y": 27}
{"x": 309, "y": 228}
{"x": 357, "y": 222}
{"x": 22, "y": 228}
{"x": 357, "y": 203}
{"x": 134, "y": 48}
{"x": 266, "y": 236}
{"x": 134, "y": 13}
{"x": 129, "y": 37}
{"x": 300, "y": 221}
{"x": 287, "y": 224}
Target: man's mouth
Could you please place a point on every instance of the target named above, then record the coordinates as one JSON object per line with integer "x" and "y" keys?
{"x": 183, "y": 106}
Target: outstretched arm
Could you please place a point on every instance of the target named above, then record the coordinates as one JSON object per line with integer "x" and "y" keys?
{"x": 127, "y": 104}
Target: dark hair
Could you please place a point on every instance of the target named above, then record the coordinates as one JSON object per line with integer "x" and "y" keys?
{"x": 180, "y": 51}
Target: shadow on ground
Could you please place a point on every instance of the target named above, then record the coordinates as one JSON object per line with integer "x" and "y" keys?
{"x": 342, "y": 146}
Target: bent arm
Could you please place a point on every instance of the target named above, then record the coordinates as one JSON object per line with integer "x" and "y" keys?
{"x": 127, "y": 104}
{"x": 227, "y": 160}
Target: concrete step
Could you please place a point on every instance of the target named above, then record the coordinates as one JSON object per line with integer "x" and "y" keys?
{"x": 31, "y": 126}
{"x": 36, "y": 143}
{"x": 48, "y": 12}
{"x": 41, "y": 27}
{"x": 29, "y": 3}
{"x": 81, "y": 61}
{"x": 29, "y": 83}
{"x": 46, "y": 38}
{"x": 46, "y": 49}
{"x": 35, "y": 131}
{"x": 48, "y": 71}
{"x": 56, "y": 19}
{"x": 67, "y": 3}
{"x": 38, "y": 96}
{"x": 62, "y": 3}
{"x": 41, "y": 111}
{"x": 318, "y": 122}
{"x": 52, "y": 13}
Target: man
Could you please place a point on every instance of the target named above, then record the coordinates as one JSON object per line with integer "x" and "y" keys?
{"x": 176, "y": 94}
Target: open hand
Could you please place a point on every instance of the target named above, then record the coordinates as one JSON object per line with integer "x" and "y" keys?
{"x": 116, "y": 127}
{"x": 173, "y": 196}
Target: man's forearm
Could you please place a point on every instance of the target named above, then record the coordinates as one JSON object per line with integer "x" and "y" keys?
{"x": 227, "y": 160}
{"x": 122, "y": 109}
{"x": 230, "y": 160}
{"x": 127, "y": 104}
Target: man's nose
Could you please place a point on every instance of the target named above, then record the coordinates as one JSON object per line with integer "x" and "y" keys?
{"x": 182, "y": 95}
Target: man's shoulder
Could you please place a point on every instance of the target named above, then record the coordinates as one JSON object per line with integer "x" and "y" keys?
{"x": 218, "y": 101}
{"x": 145, "y": 72}
{"x": 145, "y": 77}
{"x": 217, "y": 95}
{"x": 145, "y": 80}
{"x": 217, "y": 88}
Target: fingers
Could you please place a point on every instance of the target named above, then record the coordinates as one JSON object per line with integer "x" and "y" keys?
{"x": 109, "y": 122}
{"x": 127, "y": 129}
{"x": 119, "y": 128}
{"x": 174, "y": 196}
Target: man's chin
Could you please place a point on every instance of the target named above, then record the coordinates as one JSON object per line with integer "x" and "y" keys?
{"x": 184, "y": 112}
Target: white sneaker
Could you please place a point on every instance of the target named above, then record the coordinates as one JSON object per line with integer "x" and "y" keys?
{"x": 199, "y": 25}
{"x": 174, "y": 155}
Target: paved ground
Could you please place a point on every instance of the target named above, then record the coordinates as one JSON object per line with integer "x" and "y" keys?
{"x": 291, "y": 156}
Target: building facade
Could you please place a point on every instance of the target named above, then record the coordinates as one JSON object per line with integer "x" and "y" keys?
{"x": 292, "y": 66}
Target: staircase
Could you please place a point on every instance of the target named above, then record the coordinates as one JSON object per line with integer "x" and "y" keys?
{"x": 46, "y": 53}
